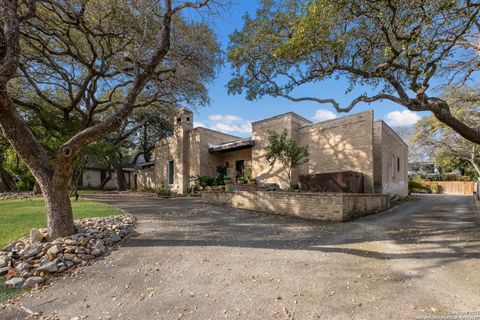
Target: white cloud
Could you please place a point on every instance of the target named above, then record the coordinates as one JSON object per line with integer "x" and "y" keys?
{"x": 232, "y": 128}
{"x": 402, "y": 118}
{"x": 323, "y": 115}
{"x": 228, "y": 123}
{"x": 227, "y": 118}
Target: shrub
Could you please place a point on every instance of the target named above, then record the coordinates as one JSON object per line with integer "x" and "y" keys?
{"x": 146, "y": 189}
{"x": 164, "y": 191}
{"x": 418, "y": 185}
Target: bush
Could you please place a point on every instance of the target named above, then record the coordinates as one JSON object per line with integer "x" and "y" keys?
{"x": 164, "y": 191}
{"x": 455, "y": 177}
{"x": 146, "y": 189}
{"x": 435, "y": 188}
{"x": 418, "y": 185}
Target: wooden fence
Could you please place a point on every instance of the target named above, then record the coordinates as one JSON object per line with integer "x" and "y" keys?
{"x": 454, "y": 187}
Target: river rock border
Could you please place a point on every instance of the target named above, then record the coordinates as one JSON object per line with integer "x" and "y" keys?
{"x": 32, "y": 261}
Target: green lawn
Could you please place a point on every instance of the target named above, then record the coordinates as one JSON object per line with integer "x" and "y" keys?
{"x": 7, "y": 293}
{"x": 18, "y": 217}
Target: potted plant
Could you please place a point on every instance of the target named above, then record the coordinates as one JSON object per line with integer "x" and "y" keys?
{"x": 241, "y": 180}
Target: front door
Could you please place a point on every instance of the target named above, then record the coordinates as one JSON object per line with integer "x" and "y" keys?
{"x": 239, "y": 166}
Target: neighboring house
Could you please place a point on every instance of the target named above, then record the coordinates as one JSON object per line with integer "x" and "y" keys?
{"x": 94, "y": 174}
{"x": 422, "y": 168}
{"x": 352, "y": 143}
{"x": 145, "y": 175}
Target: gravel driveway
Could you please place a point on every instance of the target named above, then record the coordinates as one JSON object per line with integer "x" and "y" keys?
{"x": 198, "y": 261}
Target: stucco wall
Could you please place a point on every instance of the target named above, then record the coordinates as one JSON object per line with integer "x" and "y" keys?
{"x": 343, "y": 144}
{"x": 390, "y": 151}
{"x": 318, "y": 206}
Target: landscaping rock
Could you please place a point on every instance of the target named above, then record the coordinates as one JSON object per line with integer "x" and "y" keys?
{"x": 3, "y": 261}
{"x": 33, "y": 282}
{"x": 115, "y": 237}
{"x": 23, "y": 266}
{"x": 36, "y": 236}
{"x": 15, "y": 195}
{"x": 15, "y": 282}
{"x": 69, "y": 256}
{"x": 35, "y": 259}
{"x": 71, "y": 242}
{"x": 31, "y": 251}
{"x": 25, "y": 274}
{"x": 49, "y": 267}
{"x": 4, "y": 270}
{"x": 53, "y": 252}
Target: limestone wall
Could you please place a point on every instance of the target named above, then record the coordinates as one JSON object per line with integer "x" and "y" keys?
{"x": 91, "y": 178}
{"x": 189, "y": 150}
{"x": 318, "y": 206}
{"x": 343, "y": 144}
{"x": 146, "y": 178}
{"x": 391, "y": 161}
{"x": 264, "y": 172}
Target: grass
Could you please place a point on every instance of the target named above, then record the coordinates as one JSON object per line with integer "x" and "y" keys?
{"x": 8, "y": 293}
{"x": 18, "y": 217}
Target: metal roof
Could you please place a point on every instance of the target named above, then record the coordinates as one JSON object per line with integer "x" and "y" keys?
{"x": 232, "y": 145}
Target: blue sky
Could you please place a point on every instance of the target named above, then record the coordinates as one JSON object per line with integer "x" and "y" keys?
{"x": 233, "y": 114}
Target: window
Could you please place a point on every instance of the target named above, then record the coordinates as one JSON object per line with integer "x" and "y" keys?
{"x": 170, "y": 172}
{"x": 398, "y": 164}
{"x": 188, "y": 119}
{"x": 393, "y": 166}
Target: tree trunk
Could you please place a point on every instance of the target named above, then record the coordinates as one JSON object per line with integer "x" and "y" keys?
{"x": 59, "y": 210}
{"x": 475, "y": 166}
{"x": 121, "y": 183}
{"x": 107, "y": 178}
{"x": 6, "y": 180}
{"x": 37, "y": 190}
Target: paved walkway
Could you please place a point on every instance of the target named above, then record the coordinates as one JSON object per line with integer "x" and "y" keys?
{"x": 197, "y": 261}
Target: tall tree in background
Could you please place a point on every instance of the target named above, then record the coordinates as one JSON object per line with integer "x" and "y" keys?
{"x": 396, "y": 48}
{"x": 93, "y": 63}
{"x": 443, "y": 143}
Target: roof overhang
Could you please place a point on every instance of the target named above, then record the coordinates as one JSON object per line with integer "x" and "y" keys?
{"x": 232, "y": 146}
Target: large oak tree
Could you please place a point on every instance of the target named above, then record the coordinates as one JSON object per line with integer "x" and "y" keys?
{"x": 94, "y": 63}
{"x": 440, "y": 141}
{"x": 397, "y": 48}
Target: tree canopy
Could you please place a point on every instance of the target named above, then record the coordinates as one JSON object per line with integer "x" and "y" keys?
{"x": 447, "y": 147}
{"x": 400, "y": 50}
{"x": 86, "y": 66}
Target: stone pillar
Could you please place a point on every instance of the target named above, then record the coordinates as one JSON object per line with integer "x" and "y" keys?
{"x": 183, "y": 124}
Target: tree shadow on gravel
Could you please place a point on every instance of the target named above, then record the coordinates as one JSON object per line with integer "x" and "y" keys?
{"x": 440, "y": 228}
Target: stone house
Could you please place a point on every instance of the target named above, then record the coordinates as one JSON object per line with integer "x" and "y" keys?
{"x": 93, "y": 175}
{"x": 351, "y": 143}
